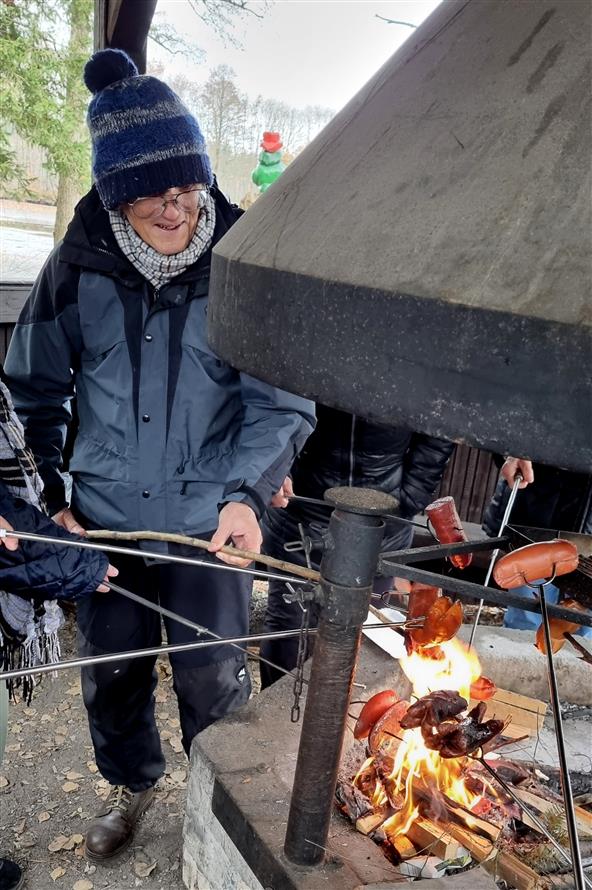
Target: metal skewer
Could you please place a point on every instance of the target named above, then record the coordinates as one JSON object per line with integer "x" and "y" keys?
{"x": 570, "y": 816}
{"x": 166, "y": 648}
{"x": 150, "y": 554}
{"x": 495, "y": 554}
{"x": 305, "y": 500}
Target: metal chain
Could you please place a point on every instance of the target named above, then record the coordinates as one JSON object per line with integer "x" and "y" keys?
{"x": 300, "y": 659}
{"x": 303, "y": 635}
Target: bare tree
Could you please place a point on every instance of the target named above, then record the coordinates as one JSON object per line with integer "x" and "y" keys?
{"x": 220, "y": 111}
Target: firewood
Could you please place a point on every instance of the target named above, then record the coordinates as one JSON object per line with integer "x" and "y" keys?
{"x": 429, "y": 837}
{"x": 479, "y": 848}
{"x": 527, "y": 713}
{"x": 543, "y": 806}
{"x": 371, "y": 821}
{"x": 403, "y": 846}
{"x": 515, "y": 873}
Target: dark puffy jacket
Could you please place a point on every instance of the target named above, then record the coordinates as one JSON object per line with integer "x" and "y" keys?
{"x": 346, "y": 450}
{"x": 166, "y": 430}
{"x": 557, "y": 499}
{"x": 45, "y": 571}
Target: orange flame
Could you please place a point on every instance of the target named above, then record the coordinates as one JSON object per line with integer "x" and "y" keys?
{"x": 456, "y": 670}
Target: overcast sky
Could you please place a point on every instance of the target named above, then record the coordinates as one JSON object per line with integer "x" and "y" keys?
{"x": 304, "y": 52}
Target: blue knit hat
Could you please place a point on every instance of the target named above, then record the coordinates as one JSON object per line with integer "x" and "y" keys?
{"x": 145, "y": 141}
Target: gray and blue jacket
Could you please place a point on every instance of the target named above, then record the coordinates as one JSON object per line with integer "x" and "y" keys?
{"x": 164, "y": 431}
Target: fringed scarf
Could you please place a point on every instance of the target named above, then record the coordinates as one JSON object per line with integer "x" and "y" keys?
{"x": 28, "y": 629}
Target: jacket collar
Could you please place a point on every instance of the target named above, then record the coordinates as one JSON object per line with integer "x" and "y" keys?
{"x": 90, "y": 244}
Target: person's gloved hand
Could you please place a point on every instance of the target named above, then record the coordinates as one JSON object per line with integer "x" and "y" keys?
{"x": 237, "y": 523}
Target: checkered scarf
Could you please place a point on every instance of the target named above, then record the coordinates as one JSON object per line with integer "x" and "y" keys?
{"x": 159, "y": 268}
{"x": 28, "y": 630}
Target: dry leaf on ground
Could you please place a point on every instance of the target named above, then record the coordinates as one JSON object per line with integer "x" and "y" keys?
{"x": 73, "y": 775}
{"x": 70, "y": 786}
{"x": 144, "y": 869}
{"x": 44, "y": 816}
{"x": 83, "y": 885}
{"x": 58, "y": 872}
{"x": 4, "y": 783}
{"x": 57, "y": 843}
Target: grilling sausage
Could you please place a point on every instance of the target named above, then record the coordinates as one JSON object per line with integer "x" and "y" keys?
{"x": 374, "y": 708}
{"x": 442, "y": 617}
{"x": 448, "y": 529}
{"x": 558, "y": 627}
{"x": 535, "y": 562}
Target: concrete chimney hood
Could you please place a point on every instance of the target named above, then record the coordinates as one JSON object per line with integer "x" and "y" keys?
{"x": 427, "y": 259}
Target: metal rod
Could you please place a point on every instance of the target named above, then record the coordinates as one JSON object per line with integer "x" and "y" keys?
{"x": 468, "y": 590}
{"x": 570, "y": 815}
{"x": 495, "y": 554}
{"x": 166, "y": 648}
{"x": 150, "y": 554}
{"x": 436, "y": 551}
{"x": 192, "y": 624}
{"x": 139, "y": 653}
{"x": 347, "y": 571}
{"x": 321, "y": 503}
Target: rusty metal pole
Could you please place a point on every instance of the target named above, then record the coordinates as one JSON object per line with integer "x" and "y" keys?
{"x": 347, "y": 572}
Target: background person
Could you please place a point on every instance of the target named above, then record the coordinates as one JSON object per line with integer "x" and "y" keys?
{"x": 345, "y": 450}
{"x": 170, "y": 438}
{"x": 33, "y": 575}
{"x": 548, "y": 498}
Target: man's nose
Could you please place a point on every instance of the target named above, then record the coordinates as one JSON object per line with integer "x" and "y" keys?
{"x": 171, "y": 211}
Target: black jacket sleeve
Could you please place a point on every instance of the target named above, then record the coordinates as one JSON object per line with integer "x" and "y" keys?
{"x": 424, "y": 465}
{"x": 41, "y": 570}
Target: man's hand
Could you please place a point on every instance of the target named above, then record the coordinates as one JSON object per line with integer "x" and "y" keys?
{"x": 237, "y": 523}
{"x": 286, "y": 491}
{"x": 515, "y": 466}
{"x": 9, "y": 543}
{"x": 112, "y": 572}
{"x": 66, "y": 519}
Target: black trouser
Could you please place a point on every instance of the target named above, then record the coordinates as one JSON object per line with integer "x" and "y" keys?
{"x": 119, "y": 696}
{"x": 281, "y": 615}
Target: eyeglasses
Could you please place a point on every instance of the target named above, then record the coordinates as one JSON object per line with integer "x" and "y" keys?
{"x": 187, "y": 201}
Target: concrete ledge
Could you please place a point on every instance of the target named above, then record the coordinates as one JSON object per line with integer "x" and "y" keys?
{"x": 510, "y": 659}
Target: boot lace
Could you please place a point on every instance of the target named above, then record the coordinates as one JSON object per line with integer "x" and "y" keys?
{"x": 120, "y": 798}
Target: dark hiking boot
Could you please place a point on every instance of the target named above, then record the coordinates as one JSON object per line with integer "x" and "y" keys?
{"x": 113, "y": 829}
{"x": 11, "y": 876}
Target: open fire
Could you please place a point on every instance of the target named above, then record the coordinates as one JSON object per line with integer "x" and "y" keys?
{"x": 414, "y": 765}
{"x": 412, "y": 796}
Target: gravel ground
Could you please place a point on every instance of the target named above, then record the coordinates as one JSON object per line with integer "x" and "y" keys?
{"x": 50, "y": 789}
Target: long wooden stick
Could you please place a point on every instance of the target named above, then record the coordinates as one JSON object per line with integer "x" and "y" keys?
{"x": 169, "y": 537}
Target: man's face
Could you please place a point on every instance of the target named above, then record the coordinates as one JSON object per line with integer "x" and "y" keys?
{"x": 167, "y": 229}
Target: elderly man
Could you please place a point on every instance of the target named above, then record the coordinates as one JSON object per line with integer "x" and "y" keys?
{"x": 169, "y": 437}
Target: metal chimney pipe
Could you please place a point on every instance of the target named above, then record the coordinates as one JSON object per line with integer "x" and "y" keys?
{"x": 347, "y": 572}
